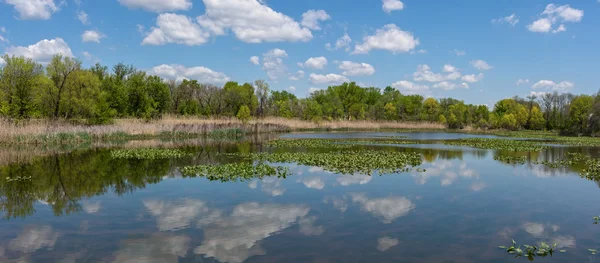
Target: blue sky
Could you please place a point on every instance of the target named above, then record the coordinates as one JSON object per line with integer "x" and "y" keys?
{"x": 473, "y": 50}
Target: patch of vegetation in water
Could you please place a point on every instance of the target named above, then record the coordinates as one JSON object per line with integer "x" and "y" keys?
{"x": 530, "y": 251}
{"x": 511, "y": 159}
{"x": 148, "y": 154}
{"x": 332, "y": 143}
{"x": 235, "y": 171}
{"x": 499, "y": 144}
{"x": 226, "y": 133}
{"x": 347, "y": 162}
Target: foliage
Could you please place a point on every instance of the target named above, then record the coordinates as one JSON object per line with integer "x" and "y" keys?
{"x": 244, "y": 114}
{"x": 530, "y": 251}
{"x": 499, "y": 144}
{"x": 511, "y": 159}
{"x": 235, "y": 171}
{"x": 148, "y": 154}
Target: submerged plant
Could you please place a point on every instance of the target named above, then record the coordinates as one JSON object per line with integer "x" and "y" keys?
{"x": 235, "y": 171}
{"x": 150, "y": 154}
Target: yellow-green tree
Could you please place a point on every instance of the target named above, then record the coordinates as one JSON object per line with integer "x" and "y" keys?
{"x": 244, "y": 114}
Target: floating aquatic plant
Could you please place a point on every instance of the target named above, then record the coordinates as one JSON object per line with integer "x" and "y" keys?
{"x": 511, "y": 159}
{"x": 18, "y": 178}
{"x": 499, "y": 144}
{"x": 331, "y": 143}
{"x": 592, "y": 169}
{"x": 347, "y": 162}
{"x": 149, "y": 154}
{"x": 235, "y": 171}
{"x": 529, "y": 251}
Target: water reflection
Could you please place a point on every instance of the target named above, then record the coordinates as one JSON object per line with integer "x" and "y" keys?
{"x": 159, "y": 248}
{"x": 33, "y": 238}
{"x": 385, "y": 243}
{"x": 387, "y": 209}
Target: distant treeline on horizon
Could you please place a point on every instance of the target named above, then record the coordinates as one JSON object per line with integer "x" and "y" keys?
{"x": 64, "y": 89}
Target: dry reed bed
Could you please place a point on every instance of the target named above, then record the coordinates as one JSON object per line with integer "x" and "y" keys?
{"x": 42, "y": 131}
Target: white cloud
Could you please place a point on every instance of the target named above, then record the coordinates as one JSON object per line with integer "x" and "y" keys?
{"x": 177, "y": 29}
{"x": 91, "y": 207}
{"x": 159, "y": 247}
{"x": 459, "y": 52}
{"x": 316, "y": 63}
{"x": 349, "y": 179}
{"x": 385, "y": 243}
{"x": 299, "y": 75}
{"x": 89, "y": 57}
{"x": 420, "y": 51}
{"x": 314, "y": 183}
{"x": 511, "y": 19}
{"x": 540, "y": 25}
{"x": 83, "y": 17}
{"x": 2, "y": 29}
{"x": 356, "y": 69}
{"x": 92, "y": 36}
{"x": 158, "y": 6}
{"x": 390, "y": 38}
{"x": 312, "y": 90}
{"x": 34, "y": 9}
{"x": 388, "y": 208}
{"x": 472, "y": 78}
{"x": 2, "y": 39}
{"x": 563, "y": 86}
{"x": 311, "y": 18}
{"x": 179, "y": 73}
{"x": 342, "y": 42}
{"x": 478, "y": 186}
{"x": 410, "y": 88}
{"x": 2, "y": 62}
{"x": 273, "y": 63}
{"x": 42, "y": 51}
{"x": 392, "y": 5}
{"x": 424, "y": 73}
{"x": 481, "y": 65}
{"x": 329, "y": 79}
{"x": 522, "y": 81}
{"x": 172, "y": 216}
{"x": 235, "y": 237}
{"x": 251, "y": 21}
{"x": 554, "y": 14}
{"x": 255, "y": 60}
{"x": 449, "y": 68}
{"x": 445, "y": 85}
{"x": 308, "y": 228}
{"x": 291, "y": 88}
{"x": 33, "y": 238}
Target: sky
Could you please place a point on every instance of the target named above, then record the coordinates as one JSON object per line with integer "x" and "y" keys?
{"x": 472, "y": 50}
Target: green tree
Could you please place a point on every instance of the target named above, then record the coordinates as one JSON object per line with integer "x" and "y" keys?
{"x": 18, "y": 86}
{"x": 244, "y": 114}
{"x": 579, "y": 113}
{"x": 60, "y": 70}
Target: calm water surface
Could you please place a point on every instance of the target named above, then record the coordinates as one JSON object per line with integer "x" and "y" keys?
{"x": 86, "y": 207}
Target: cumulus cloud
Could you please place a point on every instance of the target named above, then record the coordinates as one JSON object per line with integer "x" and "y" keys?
{"x": 329, "y": 79}
{"x": 385, "y": 243}
{"x": 171, "y": 216}
{"x": 92, "y": 36}
{"x": 235, "y": 237}
{"x": 314, "y": 183}
{"x": 424, "y": 73}
{"x": 33, "y": 238}
{"x": 387, "y": 209}
{"x": 291, "y": 89}
{"x": 83, "y": 17}
{"x": 522, "y": 81}
{"x": 311, "y": 18}
{"x": 273, "y": 63}
{"x": 481, "y": 65}
{"x": 472, "y": 78}
{"x": 42, "y": 51}
{"x": 349, "y": 179}
{"x": 356, "y": 69}
{"x": 316, "y": 63}
{"x": 511, "y": 20}
{"x": 255, "y": 60}
{"x": 554, "y": 14}
{"x": 251, "y": 21}
{"x": 159, "y": 247}
{"x": 34, "y": 9}
{"x": 342, "y": 42}
{"x": 157, "y": 6}
{"x": 550, "y": 85}
{"x": 177, "y": 29}
{"x": 410, "y": 88}
{"x": 180, "y": 72}
{"x": 392, "y": 5}
{"x": 390, "y": 38}
{"x": 299, "y": 75}
{"x": 445, "y": 85}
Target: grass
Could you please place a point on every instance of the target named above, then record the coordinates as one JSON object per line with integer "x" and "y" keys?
{"x": 43, "y": 131}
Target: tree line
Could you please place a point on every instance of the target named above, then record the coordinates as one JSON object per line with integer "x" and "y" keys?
{"x": 64, "y": 89}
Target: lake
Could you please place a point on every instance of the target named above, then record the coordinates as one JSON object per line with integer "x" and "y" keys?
{"x": 87, "y": 206}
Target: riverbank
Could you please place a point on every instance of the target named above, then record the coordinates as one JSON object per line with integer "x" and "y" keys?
{"x": 65, "y": 132}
